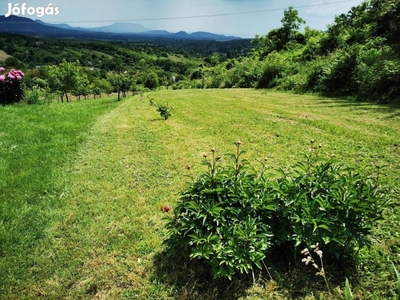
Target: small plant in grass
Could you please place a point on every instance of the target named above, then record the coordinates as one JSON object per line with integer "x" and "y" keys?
{"x": 164, "y": 108}
{"x": 232, "y": 216}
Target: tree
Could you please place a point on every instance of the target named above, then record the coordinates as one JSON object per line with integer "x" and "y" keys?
{"x": 65, "y": 78}
{"x": 82, "y": 87}
{"x": 151, "y": 81}
{"x": 104, "y": 85}
{"x": 291, "y": 23}
{"x": 126, "y": 84}
{"x": 120, "y": 83}
{"x": 279, "y": 38}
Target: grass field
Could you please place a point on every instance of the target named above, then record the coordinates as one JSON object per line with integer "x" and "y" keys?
{"x": 83, "y": 183}
{"x": 3, "y": 55}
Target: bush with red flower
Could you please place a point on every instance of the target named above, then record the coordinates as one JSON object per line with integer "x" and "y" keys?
{"x": 10, "y": 86}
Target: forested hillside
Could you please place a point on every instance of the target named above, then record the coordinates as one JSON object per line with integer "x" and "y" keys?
{"x": 358, "y": 55}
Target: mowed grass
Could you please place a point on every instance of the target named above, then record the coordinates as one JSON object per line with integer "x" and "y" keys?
{"x": 104, "y": 198}
{"x": 37, "y": 146}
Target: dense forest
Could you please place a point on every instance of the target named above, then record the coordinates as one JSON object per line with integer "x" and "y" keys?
{"x": 358, "y": 55}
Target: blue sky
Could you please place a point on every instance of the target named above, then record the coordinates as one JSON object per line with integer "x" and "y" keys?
{"x": 244, "y": 18}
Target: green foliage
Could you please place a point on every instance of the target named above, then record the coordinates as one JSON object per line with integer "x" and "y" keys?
{"x": 223, "y": 218}
{"x": 120, "y": 83}
{"x": 151, "y": 81}
{"x": 37, "y": 96}
{"x": 348, "y": 294}
{"x": 377, "y": 73}
{"x": 275, "y": 67}
{"x": 232, "y": 216}
{"x": 104, "y": 85}
{"x": 164, "y": 108}
{"x": 280, "y": 38}
{"x": 65, "y": 78}
{"x": 82, "y": 87}
{"x": 323, "y": 201}
{"x": 244, "y": 73}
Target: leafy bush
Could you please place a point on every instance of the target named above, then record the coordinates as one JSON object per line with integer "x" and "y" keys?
{"x": 336, "y": 75}
{"x": 276, "y": 67}
{"x": 37, "y": 96}
{"x": 223, "y": 218}
{"x": 378, "y": 74}
{"x": 164, "y": 108}
{"x": 244, "y": 73}
{"x": 232, "y": 217}
{"x": 321, "y": 200}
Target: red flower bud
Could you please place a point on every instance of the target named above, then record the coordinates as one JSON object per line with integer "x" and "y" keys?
{"x": 166, "y": 208}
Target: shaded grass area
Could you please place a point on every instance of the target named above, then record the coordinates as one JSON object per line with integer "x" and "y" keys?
{"x": 106, "y": 239}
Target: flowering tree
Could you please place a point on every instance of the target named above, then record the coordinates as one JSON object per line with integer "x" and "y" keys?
{"x": 10, "y": 86}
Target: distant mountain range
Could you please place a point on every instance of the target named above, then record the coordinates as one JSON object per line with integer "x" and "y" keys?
{"x": 116, "y": 31}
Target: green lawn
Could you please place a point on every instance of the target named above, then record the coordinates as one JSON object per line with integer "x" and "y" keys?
{"x": 83, "y": 183}
{"x": 3, "y": 55}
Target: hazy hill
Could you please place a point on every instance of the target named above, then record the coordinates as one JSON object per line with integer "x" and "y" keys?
{"x": 121, "y": 28}
{"x": 116, "y": 31}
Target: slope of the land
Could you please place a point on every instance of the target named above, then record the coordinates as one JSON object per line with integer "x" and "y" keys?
{"x": 109, "y": 228}
{"x": 3, "y": 55}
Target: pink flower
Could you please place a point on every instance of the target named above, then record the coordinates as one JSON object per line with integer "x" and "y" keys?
{"x": 11, "y": 76}
{"x": 19, "y": 77}
{"x": 2, "y": 69}
{"x": 18, "y": 73}
{"x": 2, "y": 77}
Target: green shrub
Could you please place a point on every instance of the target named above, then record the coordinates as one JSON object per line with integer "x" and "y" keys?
{"x": 37, "y": 96}
{"x": 164, "y": 108}
{"x": 378, "y": 74}
{"x": 321, "y": 200}
{"x": 232, "y": 217}
{"x": 223, "y": 218}
{"x": 337, "y": 73}
{"x": 31, "y": 96}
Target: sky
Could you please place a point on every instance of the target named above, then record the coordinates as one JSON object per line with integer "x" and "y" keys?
{"x": 243, "y": 18}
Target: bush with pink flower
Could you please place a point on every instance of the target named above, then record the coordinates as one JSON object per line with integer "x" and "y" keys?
{"x": 10, "y": 86}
